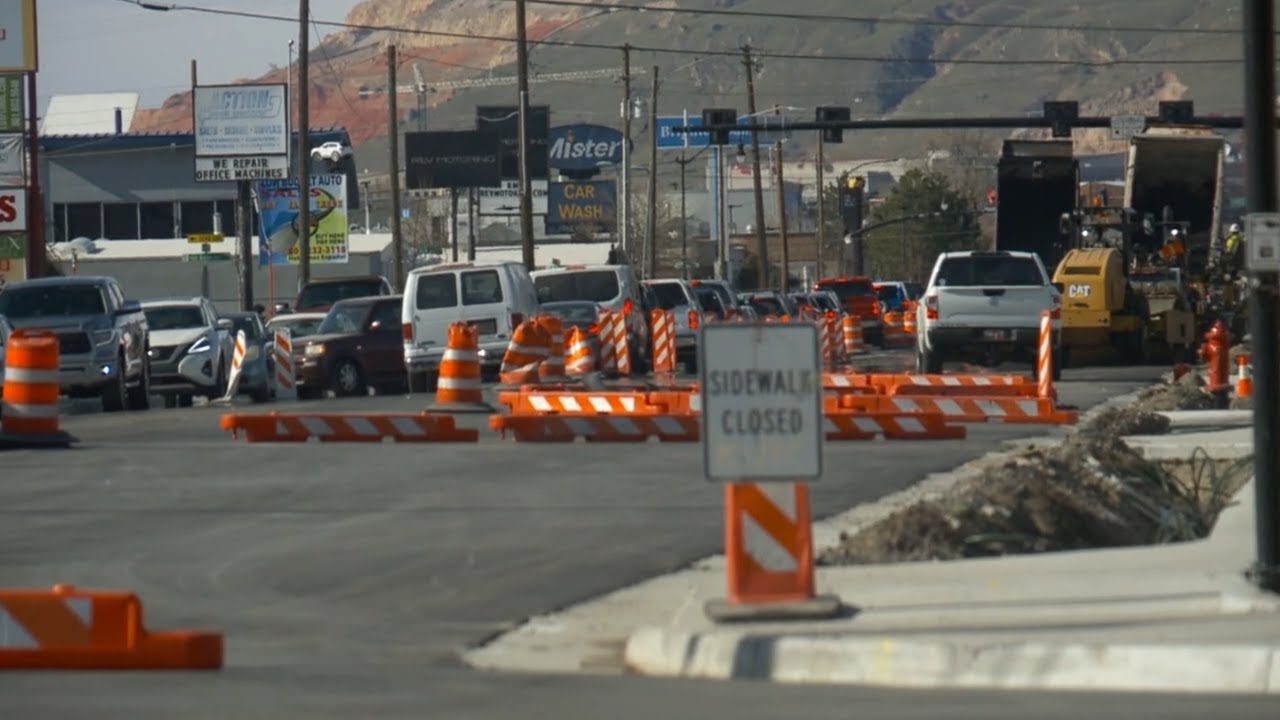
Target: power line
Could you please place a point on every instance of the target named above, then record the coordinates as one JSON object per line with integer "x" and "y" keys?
{"x": 884, "y": 20}
{"x": 764, "y": 54}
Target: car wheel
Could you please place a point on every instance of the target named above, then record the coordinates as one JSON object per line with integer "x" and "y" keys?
{"x": 348, "y": 381}
{"x": 114, "y": 396}
{"x": 219, "y": 388}
{"x": 186, "y": 401}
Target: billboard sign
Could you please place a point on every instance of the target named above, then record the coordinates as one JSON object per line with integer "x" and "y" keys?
{"x": 451, "y": 159}
{"x": 12, "y": 160}
{"x": 235, "y": 169}
{"x": 504, "y": 199}
{"x": 669, "y": 139}
{"x": 240, "y": 120}
{"x": 583, "y": 147}
{"x": 578, "y": 206}
{"x": 18, "y": 36}
{"x": 278, "y": 206}
{"x": 504, "y": 120}
{"x": 11, "y": 104}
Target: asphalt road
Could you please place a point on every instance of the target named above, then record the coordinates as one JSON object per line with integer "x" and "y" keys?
{"x": 346, "y": 578}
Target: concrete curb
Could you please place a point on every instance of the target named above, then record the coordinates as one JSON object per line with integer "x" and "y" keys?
{"x": 937, "y": 664}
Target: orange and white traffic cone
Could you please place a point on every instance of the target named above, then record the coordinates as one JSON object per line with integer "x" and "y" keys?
{"x": 1044, "y": 363}
{"x": 528, "y": 348}
{"x": 852, "y": 331}
{"x": 580, "y": 359}
{"x": 553, "y": 368}
{"x": 1244, "y": 382}
{"x": 769, "y": 556}
{"x": 459, "y": 387}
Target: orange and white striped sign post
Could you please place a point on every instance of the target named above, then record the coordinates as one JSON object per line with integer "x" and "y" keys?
{"x": 237, "y": 366}
{"x": 621, "y": 344}
{"x": 762, "y": 435}
{"x": 663, "y": 330}
{"x": 607, "y": 361}
{"x": 286, "y": 373}
{"x": 1044, "y": 361}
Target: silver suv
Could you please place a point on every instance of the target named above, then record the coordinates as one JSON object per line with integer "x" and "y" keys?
{"x": 190, "y": 349}
{"x": 612, "y": 287}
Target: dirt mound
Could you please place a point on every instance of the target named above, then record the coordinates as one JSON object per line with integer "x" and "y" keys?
{"x": 1093, "y": 491}
{"x": 1186, "y": 393}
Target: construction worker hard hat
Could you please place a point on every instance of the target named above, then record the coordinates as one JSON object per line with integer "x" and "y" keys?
{"x": 1235, "y": 228}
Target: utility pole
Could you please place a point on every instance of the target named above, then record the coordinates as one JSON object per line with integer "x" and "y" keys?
{"x": 821, "y": 236}
{"x": 420, "y": 89}
{"x": 625, "y": 230}
{"x": 304, "y": 144}
{"x": 684, "y": 220}
{"x": 473, "y": 217}
{"x": 782, "y": 218}
{"x": 1264, "y": 324}
{"x": 244, "y": 233}
{"x": 757, "y": 185}
{"x": 526, "y": 187}
{"x": 393, "y": 121}
{"x": 651, "y": 233}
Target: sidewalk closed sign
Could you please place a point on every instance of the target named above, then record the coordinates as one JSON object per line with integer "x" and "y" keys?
{"x": 761, "y": 388}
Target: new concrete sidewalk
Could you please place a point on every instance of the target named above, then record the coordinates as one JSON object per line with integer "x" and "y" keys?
{"x": 1167, "y": 618}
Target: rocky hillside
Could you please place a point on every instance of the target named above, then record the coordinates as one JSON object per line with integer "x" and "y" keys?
{"x": 984, "y": 66}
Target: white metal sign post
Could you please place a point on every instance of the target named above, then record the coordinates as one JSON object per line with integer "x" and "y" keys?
{"x": 762, "y": 432}
{"x": 1124, "y": 127}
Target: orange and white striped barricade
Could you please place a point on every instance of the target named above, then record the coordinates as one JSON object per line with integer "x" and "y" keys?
{"x": 347, "y": 427}
{"x": 1244, "y": 378}
{"x": 769, "y": 556}
{"x": 69, "y": 629}
{"x": 539, "y": 401}
{"x": 621, "y": 344}
{"x": 663, "y": 330}
{"x": 964, "y": 408}
{"x": 286, "y": 372}
{"x": 825, "y": 340}
{"x": 29, "y": 404}
{"x": 528, "y": 348}
{"x": 607, "y": 360}
{"x": 580, "y": 356}
{"x": 851, "y": 330}
{"x": 459, "y": 386}
{"x": 237, "y": 368}
{"x": 552, "y": 369}
{"x": 1044, "y": 359}
{"x": 597, "y": 428}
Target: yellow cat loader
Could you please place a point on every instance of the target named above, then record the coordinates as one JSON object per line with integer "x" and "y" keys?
{"x": 1113, "y": 309}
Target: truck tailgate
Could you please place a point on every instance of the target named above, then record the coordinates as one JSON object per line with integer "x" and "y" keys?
{"x": 996, "y": 307}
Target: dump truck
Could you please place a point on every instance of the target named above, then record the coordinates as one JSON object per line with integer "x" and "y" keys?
{"x": 1037, "y": 181}
{"x": 1175, "y": 175}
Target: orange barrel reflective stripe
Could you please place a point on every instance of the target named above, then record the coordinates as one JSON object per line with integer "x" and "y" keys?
{"x": 553, "y": 366}
{"x": 581, "y": 359}
{"x": 31, "y": 383}
{"x": 529, "y": 346}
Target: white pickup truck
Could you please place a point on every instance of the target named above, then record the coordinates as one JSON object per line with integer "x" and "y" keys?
{"x": 985, "y": 306}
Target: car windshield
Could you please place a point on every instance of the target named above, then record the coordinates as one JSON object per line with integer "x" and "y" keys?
{"x": 597, "y": 286}
{"x": 766, "y": 305}
{"x": 725, "y": 294}
{"x": 298, "y": 327}
{"x": 708, "y": 300}
{"x": 174, "y": 317}
{"x": 845, "y": 289}
{"x": 669, "y": 295}
{"x": 249, "y": 324}
{"x": 580, "y": 313}
{"x": 20, "y": 303}
{"x": 344, "y": 318}
{"x": 989, "y": 271}
{"x": 330, "y": 293}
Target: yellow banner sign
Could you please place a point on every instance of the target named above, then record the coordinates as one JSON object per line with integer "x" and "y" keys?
{"x": 204, "y": 238}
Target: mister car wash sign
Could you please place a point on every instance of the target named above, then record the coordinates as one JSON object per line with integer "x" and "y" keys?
{"x": 589, "y": 205}
{"x": 583, "y": 147}
{"x": 761, "y": 393}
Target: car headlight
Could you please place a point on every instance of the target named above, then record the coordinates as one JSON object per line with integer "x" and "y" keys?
{"x": 200, "y": 346}
{"x": 101, "y": 337}
{"x": 315, "y": 350}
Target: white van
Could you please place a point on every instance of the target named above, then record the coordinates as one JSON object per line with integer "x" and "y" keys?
{"x": 494, "y": 297}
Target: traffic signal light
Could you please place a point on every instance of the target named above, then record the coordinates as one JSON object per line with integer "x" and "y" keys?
{"x": 719, "y": 116}
{"x": 1062, "y": 116}
{"x": 852, "y": 191}
{"x": 833, "y": 115}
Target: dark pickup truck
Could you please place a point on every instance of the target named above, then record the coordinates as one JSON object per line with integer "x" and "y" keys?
{"x": 101, "y": 335}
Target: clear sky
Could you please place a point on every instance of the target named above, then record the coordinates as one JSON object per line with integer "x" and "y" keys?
{"x": 91, "y": 46}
